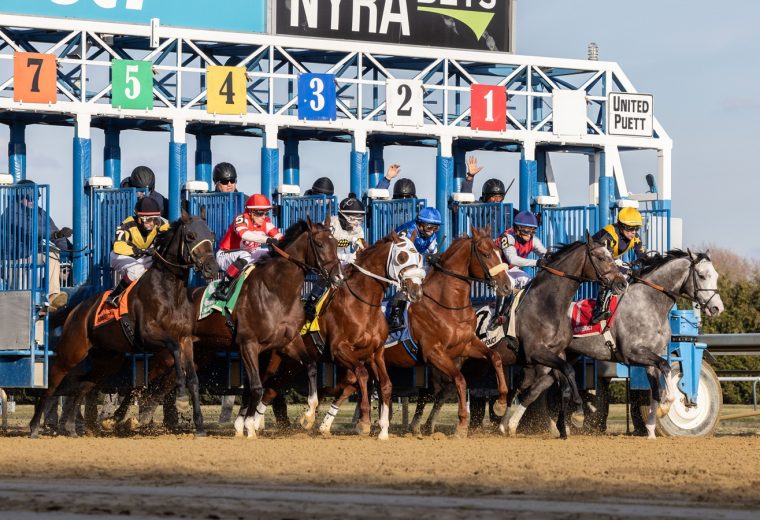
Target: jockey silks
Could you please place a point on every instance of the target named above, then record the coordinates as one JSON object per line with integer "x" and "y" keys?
{"x": 243, "y": 223}
{"x": 616, "y": 242}
{"x": 129, "y": 236}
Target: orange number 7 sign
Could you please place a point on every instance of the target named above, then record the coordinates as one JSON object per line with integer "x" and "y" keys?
{"x": 34, "y": 77}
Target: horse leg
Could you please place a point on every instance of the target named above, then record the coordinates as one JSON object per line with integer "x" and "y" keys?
{"x": 423, "y": 395}
{"x": 349, "y": 387}
{"x": 477, "y": 349}
{"x": 310, "y": 415}
{"x": 535, "y": 387}
{"x": 364, "y": 425}
{"x": 653, "y": 375}
{"x": 249, "y": 352}
{"x": 386, "y": 392}
{"x": 445, "y": 364}
{"x": 547, "y": 358}
{"x": 91, "y": 414}
{"x": 565, "y": 395}
{"x": 439, "y": 400}
{"x": 647, "y": 358}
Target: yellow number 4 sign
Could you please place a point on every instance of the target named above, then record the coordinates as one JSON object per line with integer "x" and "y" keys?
{"x": 226, "y": 90}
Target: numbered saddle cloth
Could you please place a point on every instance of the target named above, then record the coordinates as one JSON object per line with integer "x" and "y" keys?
{"x": 404, "y": 336}
{"x": 209, "y": 304}
{"x": 106, "y": 313}
{"x": 581, "y": 312}
{"x": 313, "y": 325}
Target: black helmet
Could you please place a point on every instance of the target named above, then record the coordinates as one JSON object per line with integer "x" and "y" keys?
{"x": 493, "y": 187}
{"x": 124, "y": 183}
{"x": 142, "y": 177}
{"x": 351, "y": 205}
{"x": 322, "y": 186}
{"x": 147, "y": 207}
{"x": 404, "y": 189}
{"x": 224, "y": 171}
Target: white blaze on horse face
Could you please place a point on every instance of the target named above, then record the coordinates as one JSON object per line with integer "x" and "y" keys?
{"x": 707, "y": 279}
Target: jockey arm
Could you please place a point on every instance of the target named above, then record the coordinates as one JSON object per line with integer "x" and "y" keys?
{"x": 123, "y": 243}
{"x": 512, "y": 258}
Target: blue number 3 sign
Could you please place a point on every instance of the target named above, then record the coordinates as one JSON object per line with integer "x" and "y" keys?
{"x": 316, "y": 97}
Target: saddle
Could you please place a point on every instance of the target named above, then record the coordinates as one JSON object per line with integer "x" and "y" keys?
{"x": 105, "y": 314}
{"x": 210, "y": 304}
{"x": 311, "y": 328}
{"x": 581, "y": 313}
{"x": 404, "y": 336}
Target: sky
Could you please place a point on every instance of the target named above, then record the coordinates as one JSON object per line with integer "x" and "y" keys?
{"x": 695, "y": 57}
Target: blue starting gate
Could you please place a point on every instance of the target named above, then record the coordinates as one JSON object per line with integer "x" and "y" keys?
{"x": 24, "y": 248}
{"x": 108, "y": 209}
{"x": 292, "y": 209}
{"x": 386, "y": 215}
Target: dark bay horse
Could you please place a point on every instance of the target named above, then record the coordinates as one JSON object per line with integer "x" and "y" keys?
{"x": 442, "y": 324}
{"x": 160, "y": 310}
{"x": 269, "y": 313}
{"x": 641, "y": 328}
{"x": 543, "y": 324}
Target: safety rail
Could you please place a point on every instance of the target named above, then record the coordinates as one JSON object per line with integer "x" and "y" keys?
{"x": 292, "y": 209}
{"x": 732, "y": 344}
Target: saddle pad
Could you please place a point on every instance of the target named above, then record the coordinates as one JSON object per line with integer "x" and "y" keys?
{"x": 404, "y": 336}
{"x": 106, "y": 313}
{"x": 581, "y": 312}
{"x": 512, "y": 326}
{"x": 210, "y": 304}
{"x": 313, "y": 325}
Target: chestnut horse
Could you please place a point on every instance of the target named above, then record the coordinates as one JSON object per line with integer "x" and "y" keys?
{"x": 443, "y": 323}
{"x": 353, "y": 328}
{"x": 269, "y": 313}
{"x": 162, "y": 315}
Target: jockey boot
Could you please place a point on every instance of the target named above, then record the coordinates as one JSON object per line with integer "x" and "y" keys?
{"x": 310, "y": 306}
{"x": 396, "y": 318}
{"x": 115, "y": 296}
{"x": 223, "y": 288}
{"x": 500, "y": 312}
{"x": 601, "y": 311}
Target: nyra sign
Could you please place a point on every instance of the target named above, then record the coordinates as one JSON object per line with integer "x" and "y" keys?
{"x": 630, "y": 114}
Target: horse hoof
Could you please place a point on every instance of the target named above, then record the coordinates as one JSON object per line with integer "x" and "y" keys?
{"x": 460, "y": 433}
{"x": 663, "y": 410}
{"x": 199, "y": 434}
{"x": 363, "y": 429}
{"x": 131, "y": 424}
{"x": 34, "y": 435}
{"x": 577, "y": 418}
{"x": 499, "y": 409}
{"x": 325, "y": 432}
{"x": 383, "y": 436}
{"x": 238, "y": 435}
{"x": 183, "y": 404}
{"x": 108, "y": 424}
{"x": 502, "y": 430}
{"x": 306, "y": 422}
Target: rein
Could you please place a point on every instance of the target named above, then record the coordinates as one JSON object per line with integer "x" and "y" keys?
{"x": 319, "y": 270}
{"x": 682, "y": 294}
{"x": 580, "y": 279}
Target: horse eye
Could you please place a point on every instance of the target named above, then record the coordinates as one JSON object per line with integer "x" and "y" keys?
{"x": 319, "y": 244}
{"x": 191, "y": 236}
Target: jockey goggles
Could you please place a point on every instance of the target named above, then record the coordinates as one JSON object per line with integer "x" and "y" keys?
{"x": 522, "y": 230}
{"x": 429, "y": 227}
{"x": 353, "y": 220}
{"x": 625, "y": 227}
{"x": 259, "y": 212}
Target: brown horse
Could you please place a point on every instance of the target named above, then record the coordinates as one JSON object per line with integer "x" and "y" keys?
{"x": 443, "y": 323}
{"x": 160, "y": 310}
{"x": 269, "y": 313}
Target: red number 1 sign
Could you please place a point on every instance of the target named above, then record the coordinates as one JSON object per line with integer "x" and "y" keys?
{"x": 34, "y": 77}
{"x": 488, "y": 108}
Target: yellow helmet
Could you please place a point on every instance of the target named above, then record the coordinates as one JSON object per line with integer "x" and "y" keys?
{"x": 630, "y": 217}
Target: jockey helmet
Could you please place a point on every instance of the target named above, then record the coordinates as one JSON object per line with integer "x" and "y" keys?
{"x": 350, "y": 212}
{"x": 322, "y": 186}
{"x": 224, "y": 171}
{"x": 630, "y": 217}
{"x": 142, "y": 177}
{"x": 147, "y": 207}
{"x": 526, "y": 219}
{"x": 429, "y": 215}
{"x": 493, "y": 187}
{"x": 404, "y": 189}
{"x": 258, "y": 202}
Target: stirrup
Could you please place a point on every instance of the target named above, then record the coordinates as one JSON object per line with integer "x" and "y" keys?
{"x": 496, "y": 322}
{"x": 596, "y": 318}
{"x": 113, "y": 301}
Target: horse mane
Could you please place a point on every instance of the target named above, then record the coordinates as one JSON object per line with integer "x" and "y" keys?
{"x": 561, "y": 250}
{"x": 292, "y": 233}
{"x": 651, "y": 262}
{"x": 450, "y": 250}
{"x": 164, "y": 239}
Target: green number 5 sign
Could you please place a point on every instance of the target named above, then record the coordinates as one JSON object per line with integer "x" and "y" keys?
{"x": 131, "y": 84}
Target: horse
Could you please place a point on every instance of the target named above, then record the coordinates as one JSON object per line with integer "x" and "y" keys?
{"x": 543, "y": 325}
{"x": 641, "y": 327}
{"x": 443, "y": 323}
{"x": 162, "y": 316}
{"x": 269, "y": 314}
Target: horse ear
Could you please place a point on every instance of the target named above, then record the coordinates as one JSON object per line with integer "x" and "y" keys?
{"x": 488, "y": 230}
{"x": 327, "y": 220}
{"x": 394, "y": 236}
{"x": 588, "y": 237}
{"x": 691, "y": 255}
{"x": 185, "y": 216}
{"x": 309, "y": 222}
{"x": 203, "y": 212}
{"x": 473, "y": 230}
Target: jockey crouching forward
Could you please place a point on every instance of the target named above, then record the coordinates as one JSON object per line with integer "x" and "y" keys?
{"x": 516, "y": 246}
{"x": 349, "y": 233}
{"x": 245, "y": 240}
{"x": 133, "y": 247}
{"x": 426, "y": 226}
{"x": 620, "y": 238}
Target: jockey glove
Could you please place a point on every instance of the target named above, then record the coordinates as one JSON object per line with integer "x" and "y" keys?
{"x": 541, "y": 262}
{"x": 434, "y": 258}
{"x": 271, "y": 241}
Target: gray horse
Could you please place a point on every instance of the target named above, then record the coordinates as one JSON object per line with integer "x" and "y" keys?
{"x": 641, "y": 327}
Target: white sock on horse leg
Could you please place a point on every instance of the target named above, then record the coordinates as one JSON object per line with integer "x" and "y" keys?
{"x": 652, "y": 419}
{"x": 258, "y": 416}
{"x": 514, "y": 420}
{"x": 329, "y": 418}
{"x": 384, "y": 422}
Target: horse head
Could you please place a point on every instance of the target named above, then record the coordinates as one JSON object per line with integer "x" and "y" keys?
{"x": 485, "y": 262}
{"x": 196, "y": 247}
{"x": 405, "y": 266}
{"x": 599, "y": 265}
{"x": 322, "y": 252}
{"x": 701, "y": 286}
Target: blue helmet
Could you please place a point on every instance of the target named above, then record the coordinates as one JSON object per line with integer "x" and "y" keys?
{"x": 526, "y": 219}
{"x": 429, "y": 216}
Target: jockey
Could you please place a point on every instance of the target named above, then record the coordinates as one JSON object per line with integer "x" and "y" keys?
{"x": 245, "y": 240}
{"x": 133, "y": 248}
{"x": 225, "y": 178}
{"x": 322, "y": 186}
{"x": 620, "y": 238}
{"x": 493, "y": 189}
{"x": 516, "y": 246}
{"x": 426, "y": 225}
{"x": 403, "y": 189}
{"x": 349, "y": 232}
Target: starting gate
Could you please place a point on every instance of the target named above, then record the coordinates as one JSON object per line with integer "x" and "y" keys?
{"x": 386, "y": 215}
{"x": 24, "y": 246}
{"x": 221, "y": 210}
{"x": 108, "y": 209}
{"x": 316, "y": 207}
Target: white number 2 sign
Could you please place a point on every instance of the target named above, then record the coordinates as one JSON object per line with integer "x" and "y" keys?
{"x": 404, "y": 98}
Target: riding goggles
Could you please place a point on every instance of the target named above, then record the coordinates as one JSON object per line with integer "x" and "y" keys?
{"x": 148, "y": 219}
{"x": 625, "y": 227}
{"x": 226, "y": 182}
{"x": 259, "y": 212}
{"x": 429, "y": 227}
{"x": 525, "y": 230}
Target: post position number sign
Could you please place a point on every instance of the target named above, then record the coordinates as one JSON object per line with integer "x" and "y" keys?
{"x": 34, "y": 77}
{"x": 132, "y": 84}
{"x": 488, "y": 108}
{"x": 404, "y": 100}
{"x": 630, "y": 114}
{"x": 317, "y": 97}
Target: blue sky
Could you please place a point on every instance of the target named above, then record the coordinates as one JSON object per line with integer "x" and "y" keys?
{"x": 696, "y": 57}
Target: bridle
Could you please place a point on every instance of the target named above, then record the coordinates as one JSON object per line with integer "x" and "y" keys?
{"x": 319, "y": 270}
{"x": 194, "y": 262}
{"x": 692, "y": 276}
{"x": 600, "y": 277}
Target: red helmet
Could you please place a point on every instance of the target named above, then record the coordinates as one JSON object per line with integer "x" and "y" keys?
{"x": 258, "y": 201}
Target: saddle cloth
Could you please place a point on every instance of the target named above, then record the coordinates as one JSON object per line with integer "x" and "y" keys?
{"x": 106, "y": 313}
{"x": 404, "y": 336}
{"x": 209, "y": 304}
{"x": 313, "y": 325}
{"x": 581, "y": 312}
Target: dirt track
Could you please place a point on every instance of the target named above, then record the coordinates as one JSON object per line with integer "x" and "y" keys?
{"x": 302, "y": 476}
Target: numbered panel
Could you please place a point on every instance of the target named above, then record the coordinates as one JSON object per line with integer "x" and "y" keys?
{"x": 226, "y": 90}
{"x": 132, "y": 84}
{"x": 317, "y": 97}
{"x": 404, "y": 100}
{"x": 34, "y": 77}
{"x": 488, "y": 108}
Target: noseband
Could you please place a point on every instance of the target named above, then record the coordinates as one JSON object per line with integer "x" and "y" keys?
{"x": 188, "y": 259}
